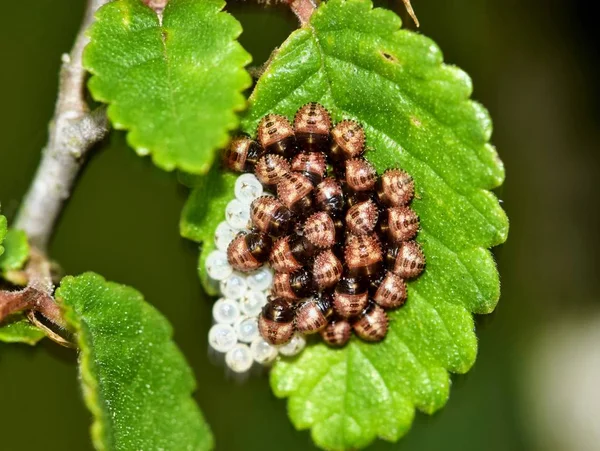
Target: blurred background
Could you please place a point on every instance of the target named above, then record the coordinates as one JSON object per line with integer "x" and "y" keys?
{"x": 536, "y": 383}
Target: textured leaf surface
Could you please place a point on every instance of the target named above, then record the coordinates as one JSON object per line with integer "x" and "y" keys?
{"x": 2, "y": 232}
{"x": 176, "y": 86}
{"x": 135, "y": 380}
{"x": 16, "y": 251}
{"x": 17, "y": 329}
{"x": 203, "y": 211}
{"x": 417, "y": 115}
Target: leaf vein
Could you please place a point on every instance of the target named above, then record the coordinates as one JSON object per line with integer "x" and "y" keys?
{"x": 410, "y": 97}
{"x": 323, "y": 68}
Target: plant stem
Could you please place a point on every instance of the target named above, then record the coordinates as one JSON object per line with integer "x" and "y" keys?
{"x": 303, "y": 9}
{"x": 72, "y": 133}
{"x": 158, "y": 6}
{"x": 411, "y": 12}
{"x": 37, "y": 295}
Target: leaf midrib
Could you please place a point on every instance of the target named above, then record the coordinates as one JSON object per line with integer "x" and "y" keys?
{"x": 323, "y": 68}
{"x": 171, "y": 96}
{"x": 322, "y": 54}
{"x": 409, "y": 97}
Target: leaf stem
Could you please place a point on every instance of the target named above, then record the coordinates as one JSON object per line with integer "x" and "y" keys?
{"x": 411, "y": 12}
{"x": 158, "y": 6}
{"x": 72, "y": 133}
{"x": 303, "y": 9}
{"x": 36, "y": 296}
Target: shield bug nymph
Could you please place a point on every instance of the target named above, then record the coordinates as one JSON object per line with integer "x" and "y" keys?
{"x": 361, "y": 218}
{"x": 363, "y": 255}
{"x": 242, "y": 154}
{"x": 295, "y": 191}
{"x": 337, "y": 333}
{"x": 294, "y": 286}
{"x": 327, "y": 270}
{"x": 310, "y": 164}
{"x": 270, "y": 216}
{"x": 270, "y": 168}
{"x": 312, "y": 124}
{"x": 290, "y": 253}
{"x": 276, "y": 134}
{"x": 329, "y": 197}
{"x": 348, "y": 141}
{"x": 249, "y": 251}
{"x": 360, "y": 175}
{"x": 372, "y": 324}
{"x": 319, "y": 230}
{"x": 389, "y": 291}
{"x": 276, "y": 321}
{"x": 395, "y": 188}
{"x": 406, "y": 260}
{"x": 313, "y": 314}
{"x": 350, "y": 297}
{"x": 399, "y": 224}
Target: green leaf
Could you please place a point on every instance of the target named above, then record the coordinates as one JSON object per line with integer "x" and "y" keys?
{"x": 205, "y": 208}
{"x": 16, "y": 250}
{"x": 203, "y": 211}
{"x": 175, "y": 86}
{"x": 3, "y": 230}
{"x": 135, "y": 380}
{"x": 17, "y": 329}
{"x": 418, "y": 116}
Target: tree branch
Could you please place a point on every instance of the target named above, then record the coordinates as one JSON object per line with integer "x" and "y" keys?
{"x": 72, "y": 133}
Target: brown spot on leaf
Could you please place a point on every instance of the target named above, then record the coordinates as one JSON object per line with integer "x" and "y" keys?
{"x": 389, "y": 56}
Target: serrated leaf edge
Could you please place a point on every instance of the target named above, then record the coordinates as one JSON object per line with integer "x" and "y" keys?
{"x": 132, "y": 130}
{"x": 485, "y": 123}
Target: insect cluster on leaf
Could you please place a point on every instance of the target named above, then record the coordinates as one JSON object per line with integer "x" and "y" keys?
{"x": 339, "y": 237}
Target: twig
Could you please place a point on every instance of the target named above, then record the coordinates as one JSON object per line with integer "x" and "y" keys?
{"x": 411, "y": 12}
{"x": 36, "y": 296}
{"x": 72, "y": 133}
{"x": 303, "y": 9}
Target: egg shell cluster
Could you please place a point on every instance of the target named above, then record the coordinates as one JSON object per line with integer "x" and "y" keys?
{"x": 235, "y": 314}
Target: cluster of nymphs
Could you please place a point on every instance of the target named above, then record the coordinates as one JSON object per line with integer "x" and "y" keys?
{"x": 339, "y": 238}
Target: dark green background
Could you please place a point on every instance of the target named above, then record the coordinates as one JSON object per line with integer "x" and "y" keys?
{"x": 532, "y": 63}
